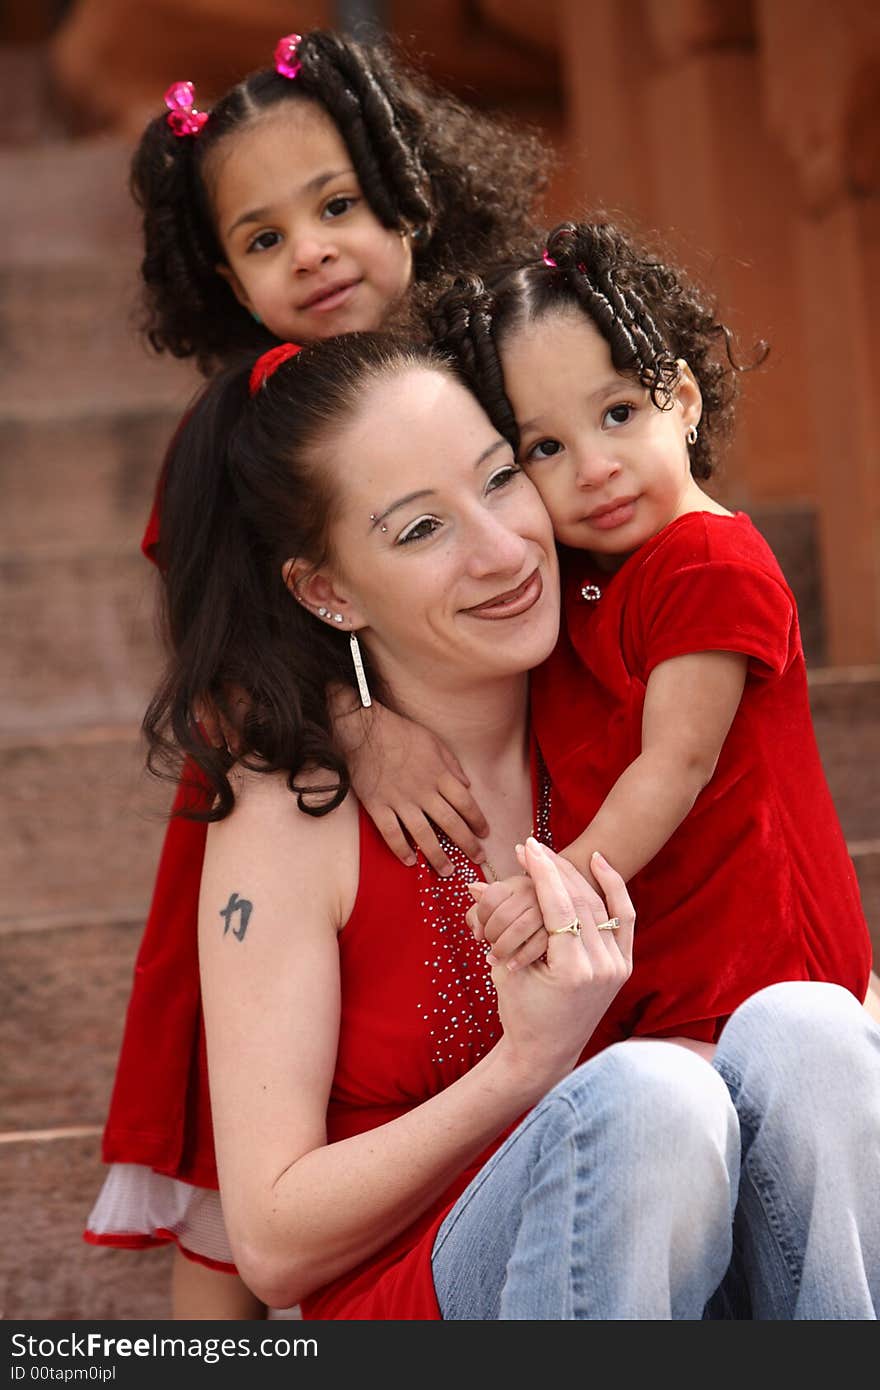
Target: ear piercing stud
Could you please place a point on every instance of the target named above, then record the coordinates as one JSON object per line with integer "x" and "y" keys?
{"x": 325, "y": 613}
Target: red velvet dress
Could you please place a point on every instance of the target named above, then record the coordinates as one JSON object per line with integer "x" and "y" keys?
{"x": 756, "y": 885}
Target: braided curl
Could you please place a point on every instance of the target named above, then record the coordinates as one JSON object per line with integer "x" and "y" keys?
{"x": 463, "y": 183}
{"x": 649, "y": 313}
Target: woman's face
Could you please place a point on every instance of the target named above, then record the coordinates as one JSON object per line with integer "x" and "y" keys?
{"x": 304, "y": 249}
{"x": 444, "y": 554}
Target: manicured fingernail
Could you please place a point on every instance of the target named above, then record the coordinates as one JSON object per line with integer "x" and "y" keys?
{"x": 447, "y": 871}
{"x": 596, "y": 858}
{"x": 493, "y": 960}
{"x": 476, "y": 889}
{"x": 480, "y": 857}
{"x": 411, "y": 862}
{"x": 513, "y": 965}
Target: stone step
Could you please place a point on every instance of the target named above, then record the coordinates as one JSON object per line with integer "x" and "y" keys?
{"x": 66, "y": 201}
{"x": 790, "y": 528}
{"x": 83, "y": 828}
{"x": 81, "y": 480}
{"x": 28, "y": 113}
{"x": 866, "y": 857}
{"x": 63, "y": 994}
{"x": 80, "y": 644}
{"x": 69, "y": 344}
{"x": 48, "y": 1183}
{"x": 845, "y": 704}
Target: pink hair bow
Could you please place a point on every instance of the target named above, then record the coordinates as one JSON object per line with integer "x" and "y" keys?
{"x": 286, "y": 61}
{"x": 183, "y": 118}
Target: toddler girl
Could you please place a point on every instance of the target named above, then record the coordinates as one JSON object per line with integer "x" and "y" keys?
{"x": 673, "y": 715}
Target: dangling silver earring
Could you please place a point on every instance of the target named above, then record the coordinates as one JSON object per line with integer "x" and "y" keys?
{"x": 363, "y": 688}
{"x": 691, "y": 435}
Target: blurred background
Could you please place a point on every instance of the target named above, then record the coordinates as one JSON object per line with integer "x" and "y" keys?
{"x": 746, "y": 133}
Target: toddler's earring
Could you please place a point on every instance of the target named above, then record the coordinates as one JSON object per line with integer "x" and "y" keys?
{"x": 255, "y": 316}
{"x": 360, "y": 673}
{"x": 691, "y": 435}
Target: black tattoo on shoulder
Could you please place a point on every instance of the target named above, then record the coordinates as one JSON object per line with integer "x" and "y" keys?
{"x": 242, "y": 906}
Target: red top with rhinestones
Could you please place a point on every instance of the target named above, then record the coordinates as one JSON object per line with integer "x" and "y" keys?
{"x": 418, "y": 1011}
{"x": 756, "y": 885}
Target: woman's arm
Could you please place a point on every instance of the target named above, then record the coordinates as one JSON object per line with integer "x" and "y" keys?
{"x": 277, "y": 887}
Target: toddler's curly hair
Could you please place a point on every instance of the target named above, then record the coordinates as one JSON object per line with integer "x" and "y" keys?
{"x": 649, "y": 312}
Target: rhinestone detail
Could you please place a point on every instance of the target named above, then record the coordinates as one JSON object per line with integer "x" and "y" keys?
{"x": 591, "y": 592}
{"x": 459, "y": 1006}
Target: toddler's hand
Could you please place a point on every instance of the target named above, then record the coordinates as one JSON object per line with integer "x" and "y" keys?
{"x": 406, "y": 778}
{"x": 507, "y": 914}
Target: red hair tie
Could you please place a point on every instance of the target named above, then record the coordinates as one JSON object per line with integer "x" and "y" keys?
{"x": 269, "y": 363}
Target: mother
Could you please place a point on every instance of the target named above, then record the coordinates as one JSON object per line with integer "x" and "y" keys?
{"x": 363, "y": 1068}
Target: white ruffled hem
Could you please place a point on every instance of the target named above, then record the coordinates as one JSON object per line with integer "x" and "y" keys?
{"x": 137, "y": 1203}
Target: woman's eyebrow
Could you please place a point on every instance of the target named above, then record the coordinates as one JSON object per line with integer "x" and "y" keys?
{"x": 401, "y": 502}
{"x": 429, "y": 492}
{"x": 313, "y": 186}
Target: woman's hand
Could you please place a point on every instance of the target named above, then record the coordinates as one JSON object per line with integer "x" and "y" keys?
{"x": 405, "y": 778}
{"x": 550, "y": 1009}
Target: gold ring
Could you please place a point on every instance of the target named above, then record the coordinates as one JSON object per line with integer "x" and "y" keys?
{"x": 574, "y": 927}
{"x": 611, "y": 925}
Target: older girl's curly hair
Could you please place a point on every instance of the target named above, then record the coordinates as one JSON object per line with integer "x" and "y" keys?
{"x": 650, "y": 314}
{"x": 463, "y": 183}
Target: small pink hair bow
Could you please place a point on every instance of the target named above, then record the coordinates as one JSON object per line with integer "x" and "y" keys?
{"x": 286, "y": 61}
{"x": 183, "y": 118}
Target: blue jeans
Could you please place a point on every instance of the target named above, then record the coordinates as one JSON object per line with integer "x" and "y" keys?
{"x": 649, "y": 1185}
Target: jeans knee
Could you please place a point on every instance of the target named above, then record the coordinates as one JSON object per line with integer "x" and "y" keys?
{"x": 662, "y": 1102}
{"x": 813, "y": 1036}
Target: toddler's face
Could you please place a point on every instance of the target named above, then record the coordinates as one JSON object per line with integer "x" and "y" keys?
{"x": 304, "y": 249}
{"x": 611, "y": 468}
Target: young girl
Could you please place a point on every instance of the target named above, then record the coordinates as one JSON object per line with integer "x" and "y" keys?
{"x": 304, "y": 205}
{"x": 673, "y": 715}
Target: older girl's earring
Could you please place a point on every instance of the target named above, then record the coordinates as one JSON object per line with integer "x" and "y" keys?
{"x": 363, "y": 688}
{"x": 691, "y": 435}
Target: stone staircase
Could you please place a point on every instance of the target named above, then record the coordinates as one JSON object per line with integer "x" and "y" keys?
{"x": 85, "y": 413}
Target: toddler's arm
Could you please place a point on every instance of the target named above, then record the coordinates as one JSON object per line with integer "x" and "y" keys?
{"x": 406, "y": 778}
{"x": 690, "y": 703}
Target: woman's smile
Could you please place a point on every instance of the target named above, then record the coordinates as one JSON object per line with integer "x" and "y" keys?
{"x": 512, "y": 603}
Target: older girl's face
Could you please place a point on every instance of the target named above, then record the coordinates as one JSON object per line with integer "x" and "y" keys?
{"x": 303, "y": 249}
{"x": 444, "y": 553}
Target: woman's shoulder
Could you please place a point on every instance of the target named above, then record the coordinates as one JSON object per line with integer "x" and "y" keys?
{"x": 287, "y": 837}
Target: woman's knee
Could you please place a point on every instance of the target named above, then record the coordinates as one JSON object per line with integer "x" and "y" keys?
{"x": 808, "y": 1034}
{"x": 654, "y": 1100}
